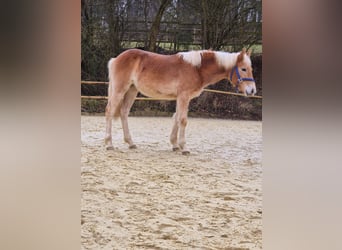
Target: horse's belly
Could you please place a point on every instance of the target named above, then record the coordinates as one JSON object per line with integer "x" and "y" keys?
{"x": 157, "y": 91}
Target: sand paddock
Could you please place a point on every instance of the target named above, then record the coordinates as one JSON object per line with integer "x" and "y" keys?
{"x": 154, "y": 198}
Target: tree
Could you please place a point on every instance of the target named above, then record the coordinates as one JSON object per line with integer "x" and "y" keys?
{"x": 156, "y": 25}
{"x": 229, "y": 22}
{"x": 110, "y": 25}
{"x": 103, "y": 25}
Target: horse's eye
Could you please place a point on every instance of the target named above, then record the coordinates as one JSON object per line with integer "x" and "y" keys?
{"x": 243, "y": 69}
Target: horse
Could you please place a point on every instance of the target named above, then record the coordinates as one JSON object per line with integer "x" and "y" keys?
{"x": 181, "y": 77}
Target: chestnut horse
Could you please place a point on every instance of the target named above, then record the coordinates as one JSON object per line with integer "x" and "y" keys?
{"x": 181, "y": 77}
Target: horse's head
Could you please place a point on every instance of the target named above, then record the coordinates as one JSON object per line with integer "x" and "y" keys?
{"x": 241, "y": 75}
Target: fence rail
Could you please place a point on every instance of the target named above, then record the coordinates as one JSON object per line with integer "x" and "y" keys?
{"x": 161, "y": 99}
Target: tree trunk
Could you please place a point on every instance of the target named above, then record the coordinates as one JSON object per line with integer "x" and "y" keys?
{"x": 205, "y": 44}
{"x": 145, "y": 22}
{"x": 156, "y": 25}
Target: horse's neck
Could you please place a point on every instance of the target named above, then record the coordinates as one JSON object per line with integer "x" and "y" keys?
{"x": 211, "y": 75}
{"x": 211, "y": 71}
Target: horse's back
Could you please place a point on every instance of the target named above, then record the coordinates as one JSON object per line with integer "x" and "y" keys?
{"x": 153, "y": 74}
{"x": 139, "y": 62}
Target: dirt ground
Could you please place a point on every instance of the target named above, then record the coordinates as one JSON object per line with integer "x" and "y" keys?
{"x": 154, "y": 198}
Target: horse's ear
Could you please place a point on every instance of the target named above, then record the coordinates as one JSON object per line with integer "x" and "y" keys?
{"x": 243, "y": 50}
{"x": 249, "y": 52}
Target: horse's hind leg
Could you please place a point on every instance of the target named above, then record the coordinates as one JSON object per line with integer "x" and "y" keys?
{"x": 109, "y": 118}
{"x": 125, "y": 108}
{"x": 112, "y": 111}
{"x": 174, "y": 134}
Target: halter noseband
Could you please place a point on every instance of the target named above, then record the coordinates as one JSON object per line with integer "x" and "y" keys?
{"x": 239, "y": 77}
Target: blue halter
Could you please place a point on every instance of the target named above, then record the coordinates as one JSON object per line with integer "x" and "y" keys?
{"x": 239, "y": 77}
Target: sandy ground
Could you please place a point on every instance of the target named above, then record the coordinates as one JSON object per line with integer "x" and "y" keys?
{"x": 154, "y": 198}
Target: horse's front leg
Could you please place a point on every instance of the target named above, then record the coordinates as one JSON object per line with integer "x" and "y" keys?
{"x": 182, "y": 119}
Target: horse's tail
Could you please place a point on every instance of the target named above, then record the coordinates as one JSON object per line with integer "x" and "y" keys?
{"x": 111, "y": 67}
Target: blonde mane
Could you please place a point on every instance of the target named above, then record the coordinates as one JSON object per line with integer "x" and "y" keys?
{"x": 193, "y": 57}
{"x": 224, "y": 59}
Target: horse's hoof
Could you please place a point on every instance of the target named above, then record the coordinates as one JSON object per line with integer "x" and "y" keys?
{"x": 109, "y": 147}
{"x": 185, "y": 152}
{"x": 175, "y": 148}
{"x": 133, "y": 146}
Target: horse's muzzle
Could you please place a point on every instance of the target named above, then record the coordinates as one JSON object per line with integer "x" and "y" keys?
{"x": 250, "y": 90}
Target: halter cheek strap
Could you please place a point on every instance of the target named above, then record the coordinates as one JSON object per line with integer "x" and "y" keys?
{"x": 239, "y": 77}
